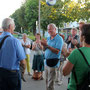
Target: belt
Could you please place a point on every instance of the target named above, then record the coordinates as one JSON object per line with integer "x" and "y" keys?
{"x": 12, "y": 70}
{"x": 8, "y": 70}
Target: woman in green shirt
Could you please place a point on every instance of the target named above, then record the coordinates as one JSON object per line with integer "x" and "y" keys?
{"x": 77, "y": 61}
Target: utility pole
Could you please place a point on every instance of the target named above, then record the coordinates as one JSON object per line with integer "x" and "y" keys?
{"x": 39, "y": 17}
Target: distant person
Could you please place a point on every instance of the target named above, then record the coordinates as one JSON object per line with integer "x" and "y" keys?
{"x": 11, "y": 55}
{"x": 72, "y": 39}
{"x": 59, "y": 74}
{"x": 80, "y": 26}
{"x": 76, "y": 63}
{"x": 53, "y": 47}
{"x": 38, "y": 60}
{"x": 26, "y": 45}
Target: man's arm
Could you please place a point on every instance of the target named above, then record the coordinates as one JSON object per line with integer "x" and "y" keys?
{"x": 26, "y": 46}
{"x": 68, "y": 40}
{"x": 23, "y": 64}
{"x": 67, "y": 68}
{"x": 54, "y": 50}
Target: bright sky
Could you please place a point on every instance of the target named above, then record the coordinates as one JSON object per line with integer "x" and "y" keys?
{"x": 7, "y": 7}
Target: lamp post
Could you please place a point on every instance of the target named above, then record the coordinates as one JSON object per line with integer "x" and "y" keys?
{"x": 39, "y": 17}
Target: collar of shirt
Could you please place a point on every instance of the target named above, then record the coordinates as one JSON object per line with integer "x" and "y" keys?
{"x": 54, "y": 37}
{"x": 6, "y": 33}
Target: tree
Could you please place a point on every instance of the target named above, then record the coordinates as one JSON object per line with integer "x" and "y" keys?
{"x": 62, "y": 12}
{"x": 53, "y": 14}
{"x": 19, "y": 18}
{"x": 31, "y": 16}
{"x": 77, "y": 10}
{"x": 15, "y": 17}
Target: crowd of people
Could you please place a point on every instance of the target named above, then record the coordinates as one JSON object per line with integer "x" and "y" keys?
{"x": 55, "y": 55}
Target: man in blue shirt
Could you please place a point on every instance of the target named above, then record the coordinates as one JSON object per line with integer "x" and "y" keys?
{"x": 53, "y": 47}
{"x": 11, "y": 56}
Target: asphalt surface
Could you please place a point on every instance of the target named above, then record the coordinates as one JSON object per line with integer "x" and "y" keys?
{"x": 31, "y": 84}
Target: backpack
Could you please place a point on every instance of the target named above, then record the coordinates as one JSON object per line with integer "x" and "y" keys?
{"x": 85, "y": 85}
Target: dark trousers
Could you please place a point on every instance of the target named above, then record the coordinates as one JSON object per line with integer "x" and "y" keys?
{"x": 10, "y": 80}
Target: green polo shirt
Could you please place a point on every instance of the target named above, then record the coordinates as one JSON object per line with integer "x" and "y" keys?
{"x": 81, "y": 68}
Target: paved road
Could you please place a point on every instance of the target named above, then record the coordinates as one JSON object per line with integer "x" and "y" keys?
{"x": 40, "y": 84}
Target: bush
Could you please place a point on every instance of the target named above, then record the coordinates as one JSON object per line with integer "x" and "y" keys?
{"x": 31, "y": 36}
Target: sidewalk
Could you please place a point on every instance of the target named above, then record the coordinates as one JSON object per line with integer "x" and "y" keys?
{"x": 40, "y": 84}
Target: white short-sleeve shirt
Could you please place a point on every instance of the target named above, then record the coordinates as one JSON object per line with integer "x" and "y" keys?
{"x": 28, "y": 42}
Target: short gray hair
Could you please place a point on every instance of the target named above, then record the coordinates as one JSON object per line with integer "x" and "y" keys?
{"x": 24, "y": 34}
{"x": 6, "y": 22}
{"x": 53, "y": 25}
{"x": 74, "y": 29}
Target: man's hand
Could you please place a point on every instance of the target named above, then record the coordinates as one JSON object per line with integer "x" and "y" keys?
{"x": 33, "y": 46}
{"x": 74, "y": 42}
{"x": 26, "y": 46}
{"x": 44, "y": 42}
{"x": 69, "y": 38}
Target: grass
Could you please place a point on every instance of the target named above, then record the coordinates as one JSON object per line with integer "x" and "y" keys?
{"x": 32, "y": 37}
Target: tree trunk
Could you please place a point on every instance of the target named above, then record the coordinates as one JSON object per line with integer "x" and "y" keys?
{"x": 58, "y": 29}
{"x": 43, "y": 32}
{"x": 34, "y": 31}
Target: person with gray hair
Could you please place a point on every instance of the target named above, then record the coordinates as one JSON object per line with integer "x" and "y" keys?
{"x": 11, "y": 55}
{"x": 26, "y": 45}
{"x": 53, "y": 25}
{"x": 53, "y": 47}
{"x": 7, "y": 23}
{"x": 72, "y": 40}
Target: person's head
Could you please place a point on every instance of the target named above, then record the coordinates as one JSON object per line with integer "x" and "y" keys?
{"x": 24, "y": 36}
{"x": 8, "y": 25}
{"x": 52, "y": 29}
{"x": 73, "y": 31}
{"x": 85, "y": 33}
{"x": 80, "y": 25}
{"x": 38, "y": 36}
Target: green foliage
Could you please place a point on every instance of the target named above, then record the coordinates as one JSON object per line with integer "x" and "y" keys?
{"x": 15, "y": 35}
{"x": 31, "y": 11}
{"x": 15, "y": 17}
{"x": 51, "y": 14}
{"x": 63, "y": 11}
{"x": 21, "y": 17}
{"x": 31, "y": 36}
{"x": 26, "y": 16}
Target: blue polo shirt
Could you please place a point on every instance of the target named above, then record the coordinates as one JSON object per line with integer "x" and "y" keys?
{"x": 56, "y": 42}
{"x": 11, "y": 52}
